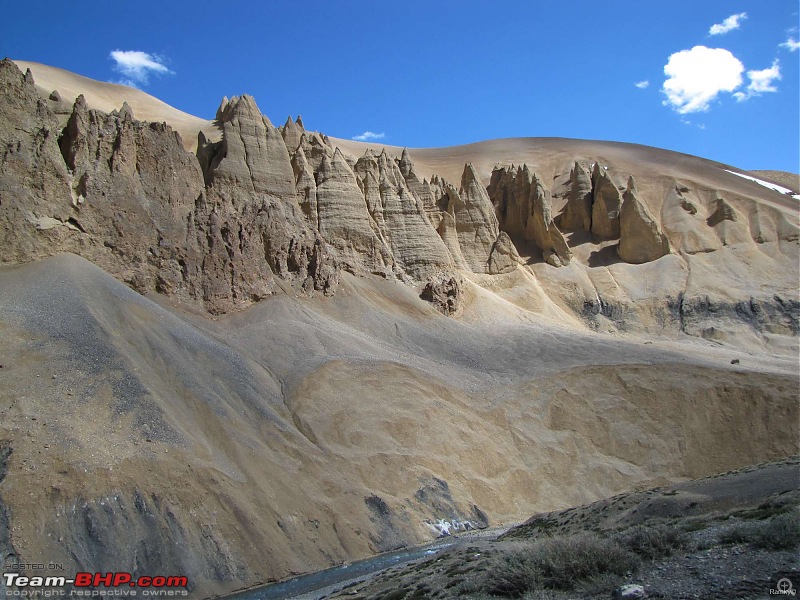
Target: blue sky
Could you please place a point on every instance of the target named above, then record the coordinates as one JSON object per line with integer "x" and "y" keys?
{"x": 436, "y": 73}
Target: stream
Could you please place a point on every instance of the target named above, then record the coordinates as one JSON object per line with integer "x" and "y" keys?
{"x": 306, "y": 584}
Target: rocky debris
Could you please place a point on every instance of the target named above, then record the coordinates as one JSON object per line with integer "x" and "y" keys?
{"x": 641, "y": 239}
{"x": 54, "y": 96}
{"x": 628, "y": 591}
{"x": 606, "y": 204}
{"x": 525, "y": 210}
{"x": 443, "y": 290}
{"x": 577, "y": 212}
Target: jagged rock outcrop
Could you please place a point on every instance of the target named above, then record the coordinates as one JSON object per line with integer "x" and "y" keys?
{"x": 344, "y": 220}
{"x": 606, "y": 204}
{"x": 35, "y": 197}
{"x": 641, "y": 239}
{"x": 430, "y": 194}
{"x": 577, "y": 212}
{"x": 136, "y": 189}
{"x": 315, "y": 149}
{"x": 305, "y": 186}
{"x": 542, "y": 230}
{"x": 127, "y": 196}
{"x": 444, "y": 292}
{"x": 400, "y": 217}
{"x": 250, "y": 222}
{"x": 526, "y": 211}
{"x": 476, "y": 226}
{"x": 252, "y": 156}
{"x": 292, "y": 132}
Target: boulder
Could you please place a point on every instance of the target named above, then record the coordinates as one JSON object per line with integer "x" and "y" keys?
{"x": 628, "y": 591}
{"x": 443, "y": 290}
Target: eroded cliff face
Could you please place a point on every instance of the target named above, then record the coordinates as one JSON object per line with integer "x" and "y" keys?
{"x": 300, "y": 430}
{"x": 266, "y": 210}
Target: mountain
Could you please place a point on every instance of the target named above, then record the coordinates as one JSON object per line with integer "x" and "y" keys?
{"x": 238, "y": 351}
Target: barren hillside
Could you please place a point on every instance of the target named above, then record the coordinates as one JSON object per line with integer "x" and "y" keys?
{"x": 263, "y": 351}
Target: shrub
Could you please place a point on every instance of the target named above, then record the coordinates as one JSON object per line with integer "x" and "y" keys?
{"x": 558, "y": 563}
{"x": 654, "y": 542}
{"x": 781, "y": 532}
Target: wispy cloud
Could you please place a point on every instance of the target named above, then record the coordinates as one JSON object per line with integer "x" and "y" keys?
{"x": 642, "y": 84}
{"x": 136, "y": 66}
{"x": 369, "y": 135}
{"x": 761, "y": 82}
{"x": 729, "y": 24}
{"x": 696, "y": 77}
{"x": 791, "y": 44}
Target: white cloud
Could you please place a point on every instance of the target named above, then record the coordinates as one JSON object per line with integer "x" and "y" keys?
{"x": 729, "y": 24}
{"x": 761, "y": 82}
{"x": 642, "y": 84}
{"x": 369, "y": 135}
{"x": 791, "y": 45}
{"x": 136, "y": 66}
{"x": 695, "y": 77}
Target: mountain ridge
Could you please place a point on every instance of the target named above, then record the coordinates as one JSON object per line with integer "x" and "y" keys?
{"x": 232, "y": 349}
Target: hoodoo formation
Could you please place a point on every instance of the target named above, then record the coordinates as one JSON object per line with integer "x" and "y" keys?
{"x": 240, "y": 352}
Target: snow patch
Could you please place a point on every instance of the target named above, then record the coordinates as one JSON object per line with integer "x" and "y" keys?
{"x": 767, "y": 184}
{"x": 443, "y": 527}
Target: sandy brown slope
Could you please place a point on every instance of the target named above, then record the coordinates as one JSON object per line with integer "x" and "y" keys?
{"x": 110, "y": 96}
{"x": 304, "y": 432}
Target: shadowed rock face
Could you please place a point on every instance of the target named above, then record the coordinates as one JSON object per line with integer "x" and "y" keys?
{"x": 606, "y": 203}
{"x": 526, "y": 210}
{"x": 577, "y": 213}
